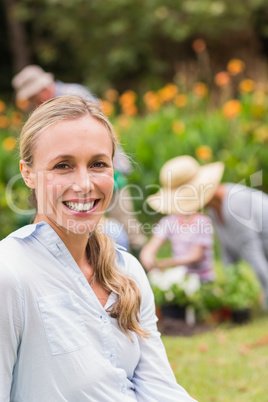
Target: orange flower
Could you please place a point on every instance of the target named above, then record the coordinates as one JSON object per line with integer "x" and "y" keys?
{"x": 22, "y": 104}
{"x": 107, "y": 107}
{"x": 2, "y": 106}
{"x": 235, "y": 66}
{"x": 130, "y": 110}
{"x": 203, "y": 152}
{"x": 221, "y": 79}
{"x": 16, "y": 118}
{"x": 111, "y": 95}
{"x": 231, "y": 108}
{"x": 199, "y": 45}
{"x": 246, "y": 86}
{"x": 168, "y": 92}
{"x": 9, "y": 143}
{"x": 200, "y": 89}
{"x": 127, "y": 101}
{"x": 152, "y": 101}
{"x": 178, "y": 127}
{"x": 180, "y": 100}
{"x": 127, "y": 98}
{"x": 4, "y": 121}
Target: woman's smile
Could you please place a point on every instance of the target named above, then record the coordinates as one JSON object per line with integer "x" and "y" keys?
{"x": 81, "y": 206}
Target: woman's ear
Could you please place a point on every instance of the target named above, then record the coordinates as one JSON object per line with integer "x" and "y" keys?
{"x": 27, "y": 175}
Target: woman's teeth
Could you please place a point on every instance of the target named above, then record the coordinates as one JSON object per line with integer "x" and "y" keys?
{"x": 79, "y": 206}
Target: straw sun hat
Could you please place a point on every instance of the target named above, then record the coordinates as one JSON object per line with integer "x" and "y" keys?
{"x": 186, "y": 186}
{"x": 30, "y": 81}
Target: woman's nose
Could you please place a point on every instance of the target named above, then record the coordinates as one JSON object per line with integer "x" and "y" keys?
{"x": 83, "y": 182}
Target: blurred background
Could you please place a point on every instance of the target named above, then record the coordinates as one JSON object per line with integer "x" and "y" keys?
{"x": 131, "y": 43}
{"x": 174, "y": 77}
{"x": 190, "y": 75}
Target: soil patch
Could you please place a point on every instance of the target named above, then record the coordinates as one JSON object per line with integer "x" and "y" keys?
{"x": 176, "y": 327}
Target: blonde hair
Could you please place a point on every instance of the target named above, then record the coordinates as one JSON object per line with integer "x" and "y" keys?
{"x": 100, "y": 248}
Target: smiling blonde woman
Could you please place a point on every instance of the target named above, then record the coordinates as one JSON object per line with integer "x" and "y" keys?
{"x": 78, "y": 317}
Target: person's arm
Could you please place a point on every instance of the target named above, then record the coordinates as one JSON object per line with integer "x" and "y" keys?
{"x": 148, "y": 252}
{"x": 11, "y": 324}
{"x": 252, "y": 251}
{"x": 195, "y": 254}
{"x": 153, "y": 378}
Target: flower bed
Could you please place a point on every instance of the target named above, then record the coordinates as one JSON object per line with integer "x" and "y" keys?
{"x": 236, "y": 288}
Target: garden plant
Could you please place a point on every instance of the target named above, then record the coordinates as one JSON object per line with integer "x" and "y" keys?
{"x": 225, "y": 121}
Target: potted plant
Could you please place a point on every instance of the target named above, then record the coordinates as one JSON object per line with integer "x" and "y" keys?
{"x": 175, "y": 291}
{"x": 241, "y": 291}
{"x": 212, "y": 301}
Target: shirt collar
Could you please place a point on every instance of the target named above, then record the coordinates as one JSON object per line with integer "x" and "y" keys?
{"x": 44, "y": 233}
{"x": 26, "y": 231}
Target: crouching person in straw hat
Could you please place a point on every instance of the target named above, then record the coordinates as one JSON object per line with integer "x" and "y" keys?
{"x": 186, "y": 188}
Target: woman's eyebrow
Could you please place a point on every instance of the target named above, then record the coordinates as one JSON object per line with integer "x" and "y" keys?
{"x": 62, "y": 157}
{"x": 101, "y": 156}
{"x": 65, "y": 156}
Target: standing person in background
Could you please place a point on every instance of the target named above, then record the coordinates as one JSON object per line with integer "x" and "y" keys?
{"x": 187, "y": 188}
{"x": 79, "y": 319}
{"x": 36, "y": 86}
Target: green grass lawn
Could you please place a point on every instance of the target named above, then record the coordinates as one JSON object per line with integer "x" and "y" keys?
{"x": 226, "y": 364}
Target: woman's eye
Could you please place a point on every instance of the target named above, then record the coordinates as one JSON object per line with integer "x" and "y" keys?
{"x": 62, "y": 166}
{"x": 100, "y": 164}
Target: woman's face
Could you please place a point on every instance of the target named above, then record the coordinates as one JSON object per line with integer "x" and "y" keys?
{"x": 72, "y": 174}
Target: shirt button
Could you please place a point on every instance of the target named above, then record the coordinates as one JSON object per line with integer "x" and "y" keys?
{"x": 112, "y": 359}
{"x": 124, "y": 389}
{"x": 104, "y": 318}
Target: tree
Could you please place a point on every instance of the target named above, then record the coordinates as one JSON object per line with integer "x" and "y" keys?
{"x": 17, "y": 37}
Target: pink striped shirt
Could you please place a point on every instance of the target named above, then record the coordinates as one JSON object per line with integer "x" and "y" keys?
{"x": 185, "y": 234}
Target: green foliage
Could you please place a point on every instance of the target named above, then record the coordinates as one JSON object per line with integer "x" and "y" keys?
{"x": 134, "y": 43}
{"x": 211, "y": 295}
{"x": 201, "y": 130}
{"x": 13, "y": 192}
{"x": 198, "y": 120}
{"x": 235, "y": 287}
{"x": 240, "y": 287}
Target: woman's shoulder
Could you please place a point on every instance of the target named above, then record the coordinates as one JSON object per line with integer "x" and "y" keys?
{"x": 130, "y": 264}
{"x": 12, "y": 247}
{"x": 125, "y": 260}
{"x": 21, "y": 233}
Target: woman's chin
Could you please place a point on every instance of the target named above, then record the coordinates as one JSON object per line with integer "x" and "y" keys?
{"x": 80, "y": 228}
